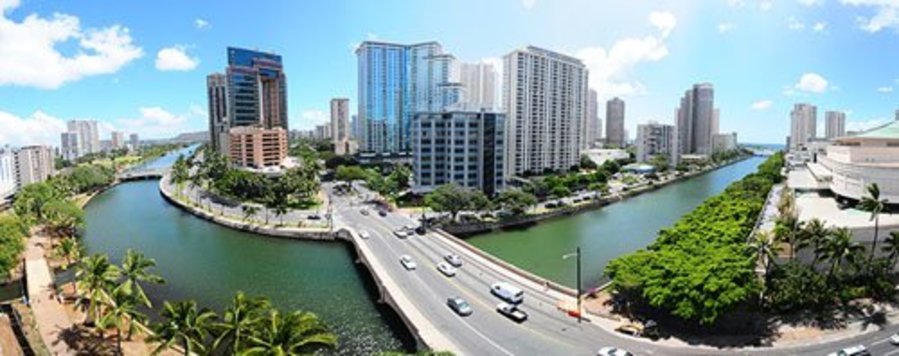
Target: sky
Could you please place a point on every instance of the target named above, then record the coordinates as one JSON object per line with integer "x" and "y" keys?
{"x": 140, "y": 66}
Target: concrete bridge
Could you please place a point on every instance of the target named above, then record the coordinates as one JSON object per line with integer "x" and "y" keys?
{"x": 141, "y": 174}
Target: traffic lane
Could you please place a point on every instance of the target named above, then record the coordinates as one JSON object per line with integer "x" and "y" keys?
{"x": 521, "y": 341}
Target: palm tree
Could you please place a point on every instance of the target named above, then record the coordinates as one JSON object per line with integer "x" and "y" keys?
{"x": 787, "y": 229}
{"x": 840, "y": 247}
{"x": 69, "y": 250}
{"x": 891, "y": 246}
{"x": 135, "y": 271}
{"x": 814, "y": 235}
{"x": 873, "y": 204}
{"x": 292, "y": 334}
{"x": 183, "y": 325}
{"x": 94, "y": 276}
{"x": 249, "y": 211}
{"x": 767, "y": 249}
{"x": 121, "y": 311}
{"x": 239, "y": 321}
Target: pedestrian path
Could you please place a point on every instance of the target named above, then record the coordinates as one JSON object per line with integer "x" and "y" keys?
{"x": 49, "y": 314}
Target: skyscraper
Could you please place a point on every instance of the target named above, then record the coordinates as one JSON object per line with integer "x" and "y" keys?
{"x": 7, "y": 174}
{"x": 654, "y": 139}
{"x": 545, "y": 98}
{"x": 117, "y": 140}
{"x": 340, "y": 125}
{"x": 479, "y": 81}
{"x": 88, "y": 136}
{"x": 834, "y": 124}
{"x": 615, "y": 135}
{"x": 803, "y": 125}
{"x": 697, "y": 120}
{"x": 34, "y": 164}
{"x": 257, "y": 89}
{"x": 217, "y": 97}
{"x": 135, "y": 141}
{"x": 395, "y": 82}
{"x": 69, "y": 148}
{"x": 591, "y": 124}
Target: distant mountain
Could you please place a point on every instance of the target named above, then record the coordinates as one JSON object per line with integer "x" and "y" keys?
{"x": 187, "y": 137}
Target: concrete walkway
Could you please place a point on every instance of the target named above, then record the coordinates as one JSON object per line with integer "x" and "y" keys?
{"x": 49, "y": 314}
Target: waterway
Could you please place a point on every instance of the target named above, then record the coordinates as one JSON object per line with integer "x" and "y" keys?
{"x": 606, "y": 233}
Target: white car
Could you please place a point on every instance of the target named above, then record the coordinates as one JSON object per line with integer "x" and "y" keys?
{"x": 446, "y": 269}
{"x": 401, "y": 234}
{"x": 407, "y": 262}
{"x": 364, "y": 234}
{"x": 409, "y": 227}
{"x": 453, "y": 259}
{"x": 612, "y": 351}
{"x": 857, "y": 350}
{"x": 894, "y": 339}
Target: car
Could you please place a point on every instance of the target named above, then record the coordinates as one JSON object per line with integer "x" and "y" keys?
{"x": 446, "y": 269}
{"x": 408, "y": 263}
{"x": 453, "y": 259}
{"x": 630, "y": 329}
{"x": 894, "y": 339}
{"x": 364, "y": 234}
{"x": 363, "y": 212}
{"x": 420, "y": 230}
{"x": 613, "y": 351}
{"x": 409, "y": 227}
{"x": 314, "y": 217}
{"x": 401, "y": 234}
{"x": 857, "y": 350}
{"x": 507, "y": 292}
{"x": 382, "y": 212}
{"x": 512, "y": 312}
{"x": 459, "y": 305}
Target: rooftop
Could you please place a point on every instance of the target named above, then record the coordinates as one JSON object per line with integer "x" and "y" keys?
{"x": 812, "y": 205}
{"x": 890, "y": 130}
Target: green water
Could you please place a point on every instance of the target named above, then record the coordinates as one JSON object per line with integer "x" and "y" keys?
{"x": 210, "y": 263}
{"x": 606, "y": 233}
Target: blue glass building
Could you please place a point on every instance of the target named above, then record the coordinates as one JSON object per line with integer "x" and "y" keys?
{"x": 257, "y": 89}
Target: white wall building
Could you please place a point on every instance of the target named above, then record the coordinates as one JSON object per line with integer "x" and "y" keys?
{"x": 591, "y": 125}
{"x": 834, "y": 124}
{"x": 34, "y": 164}
{"x": 615, "y": 132}
{"x": 88, "y": 136}
{"x": 69, "y": 148}
{"x": 545, "y": 98}
{"x": 654, "y": 139}
{"x": 340, "y": 125}
{"x": 803, "y": 125}
{"x": 724, "y": 142}
{"x": 852, "y": 163}
{"x": 117, "y": 140}
{"x": 7, "y": 174}
{"x": 479, "y": 81}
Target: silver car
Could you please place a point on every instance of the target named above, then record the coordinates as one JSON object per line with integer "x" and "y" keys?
{"x": 446, "y": 269}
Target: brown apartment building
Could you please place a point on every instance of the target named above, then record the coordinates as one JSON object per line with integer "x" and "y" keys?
{"x": 257, "y": 147}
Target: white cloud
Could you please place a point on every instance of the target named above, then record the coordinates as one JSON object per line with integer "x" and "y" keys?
{"x": 175, "y": 58}
{"x": 736, "y": 3}
{"x": 762, "y": 105}
{"x": 766, "y": 5}
{"x": 819, "y": 27}
{"x": 610, "y": 70}
{"x": 528, "y": 4}
{"x": 865, "y": 125}
{"x": 201, "y": 24}
{"x": 885, "y": 90}
{"x": 812, "y": 83}
{"x": 37, "y": 129}
{"x": 309, "y": 118}
{"x": 794, "y": 24}
{"x": 29, "y": 55}
{"x": 886, "y": 14}
{"x": 811, "y": 2}
{"x": 726, "y": 27}
{"x": 157, "y": 122}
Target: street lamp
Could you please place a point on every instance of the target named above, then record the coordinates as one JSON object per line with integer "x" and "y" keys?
{"x": 577, "y": 254}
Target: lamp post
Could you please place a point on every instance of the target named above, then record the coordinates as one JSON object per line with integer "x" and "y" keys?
{"x": 577, "y": 254}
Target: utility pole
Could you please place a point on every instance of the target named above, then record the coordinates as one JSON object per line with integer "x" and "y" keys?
{"x": 577, "y": 254}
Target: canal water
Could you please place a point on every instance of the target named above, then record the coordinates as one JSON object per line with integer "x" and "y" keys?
{"x": 606, "y": 233}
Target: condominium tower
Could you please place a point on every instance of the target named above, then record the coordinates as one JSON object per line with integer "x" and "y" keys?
{"x": 803, "y": 125}
{"x": 697, "y": 120}
{"x": 545, "y": 98}
{"x": 88, "y": 140}
{"x": 834, "y": 124}
{"x": 654, "y": 139}
{"x": 615, "y": 135}
{"x": 591, "y": 125}
{"x": 69, "y": 148}
{"x": 7, "y": 173}
{"x": 340, "y": 125}
{"x": 34, "y": 164}
{"x": 217, "y": 97}
{"x": 479, "y": 81}
{"x": 117, "y": 139}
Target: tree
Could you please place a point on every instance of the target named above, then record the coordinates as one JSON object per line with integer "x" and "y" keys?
{"x": 766, "y": 248}
{"x": 814, "y": 235}
{"x": 95, "y": 275}
{"x": 63, "y": 216}
{"x": 560, "y": 191}
{"x": 180, "y": 171}
{"x": 135, "y": 270}
{"x": 787, "y": 229}
{"x": 838, "y": 248}
{"x": 31, "y": 200}
{"x": 121, "y": 311}
{"x": 249, "y": 211}
{"x": 295, "y": 333}
{"x": 891, "y": 247}
{"x": 453, "y": 199}
{"x": 69, "y": 250}
{"x": 239, "y": 321}
{"x": 873, "y": 204}
{"x": 516, "y": 201}
{"x": 587, "y": 163}
{"x": 12, "y": 234}
{"x": 183, "y": 324}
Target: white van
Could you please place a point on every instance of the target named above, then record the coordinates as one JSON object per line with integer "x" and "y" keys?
{"x": 507, "y": 292}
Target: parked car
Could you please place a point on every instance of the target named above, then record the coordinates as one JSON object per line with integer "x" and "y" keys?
{"x": 446, "y": 269}
{"x": 401, "y": 233}
{"x": 364, "y": 234}
{"x": 630, "y": 329}
{"x": 363, "y": 212}
{"x": 459, "y": 305}
{"x": 407, "y": 262}
{"x": 512, "y": 312}
{"x": 857, "y": 350}
{"x": 507, "y": 292}
{"x": 314, "y": 217}
{"x": 613, "y": 351}
{"x": 420, "y": 230}
{"x": 894, "y": 339}
{"x": 453, "y": 259}
{"x": 382, "y": 212}
{"x": 409, "y": 227}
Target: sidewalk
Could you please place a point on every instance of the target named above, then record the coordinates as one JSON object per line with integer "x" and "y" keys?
{"x": 51, "y": 317}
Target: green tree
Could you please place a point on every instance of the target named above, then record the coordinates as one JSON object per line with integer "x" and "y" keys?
{"x": 873, "y": 204}
{"x": 295, "y": 333}
{"x": 136, "y": 271}
{"x": 587, "y": 163}
{"x": 69, "y": 250}
{"x": 249, "y": 211}
{"x": 239, "y": 321}
{"x": 95, "y": 275}
{"x": 183, "y": 325}
{"x": 838, "y": 248}
{"x": 560, "y": 191}
{"x": 516, "y": 201}
{"x": 766, "y": 248}
{"x": 12, "y": 234}
{"x": 63, "y": 216}
{"x": 814, "y": 235}
{"x": 794, "y": 287}
{"x": 121, "y": 312}
{"x": 31, "y": 200}
{"x": 891, "y": 247}
{"x": 788, "y": 229}
{"x": 453, "y": 199}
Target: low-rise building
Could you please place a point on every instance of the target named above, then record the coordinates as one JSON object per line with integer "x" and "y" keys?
{"x": 852, "y": 163}
{"x": 724, "y": 142}
{"x": 257, "y": 147}
{"x": 461, "y": 147}
{"x": 654, "y": 139}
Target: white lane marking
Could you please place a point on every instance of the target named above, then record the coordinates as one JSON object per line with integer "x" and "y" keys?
{"x": 879, "y": 342}
{"x": 891, "y": 352}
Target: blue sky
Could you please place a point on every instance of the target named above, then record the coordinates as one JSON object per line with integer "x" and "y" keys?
{"x": 141, "y": 66}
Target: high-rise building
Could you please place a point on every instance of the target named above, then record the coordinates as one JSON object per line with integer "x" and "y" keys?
{"x": 479, "y": 81}
{"x": 88, "y": 136}
{"x": 257, "y": 89}
{"x": 7, "y": 174}
{"x": 340, "y": 125}
{"x": 135, "y": 141}
{"x": 461, "y": 147}
{"x": 545, "y": 98}
{"x": 591, "y": 124}
{"x": 655, "y": 139}
{"x": 803, "y": 125}
{"x": 697, "y": 120}
{"x": 834, "y": 124}
{"x": 615, "y": 135}
{"x": 322, "y": 132}
{"x": 724, "y": 142}
{"x": 217, "y": 97}
{"x": 117, "y": 140}
{"x": 69, "y": 147}
{"x": 257, "y": 147}
{"x": 897, "y": 115}
{"x": 395, "y": 82}
{"x": 34, "y": 164}
{"x": 354, "y": 128}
